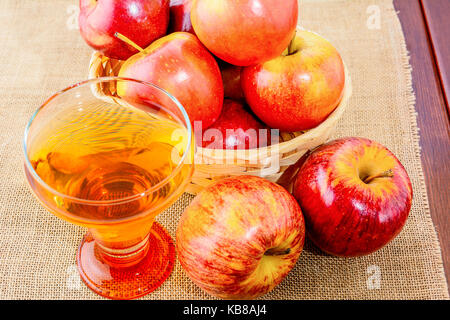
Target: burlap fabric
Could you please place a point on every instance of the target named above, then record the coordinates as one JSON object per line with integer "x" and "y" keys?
{"x": 41, "y": 52}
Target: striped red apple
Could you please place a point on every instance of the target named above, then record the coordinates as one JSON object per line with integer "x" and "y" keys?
{"x": 298, "y": 89}
{"x": 240, "y": 237}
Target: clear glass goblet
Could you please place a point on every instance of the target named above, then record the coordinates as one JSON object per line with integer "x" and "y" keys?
{"x": 110, "y": 154}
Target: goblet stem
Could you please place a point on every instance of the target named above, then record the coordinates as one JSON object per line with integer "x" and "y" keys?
{"x": 124, "y": 245}
{"x": 124, "y": 257}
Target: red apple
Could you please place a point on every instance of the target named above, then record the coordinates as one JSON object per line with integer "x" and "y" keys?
{"x": 355, "y": 195}
{"x": 181, "y": 65}
{"x": 236, "y": 128}
{"x": 180, "y": 16}
{"x": 240, "y": 237}
{"x": 299, "y": 89}
{"x": 245, "y": 32}
{"x": 140, "y": 20}
{"x": 231, "y": 78}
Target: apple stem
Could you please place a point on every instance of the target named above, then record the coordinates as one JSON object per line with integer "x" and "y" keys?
{"x": 128, "y": 41}
{"x": 385, "y": 174}
{"x": 274, "y": 252}
{"x": 291, "y": 44}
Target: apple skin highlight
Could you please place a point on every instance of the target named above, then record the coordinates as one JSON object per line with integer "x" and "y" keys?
{"x": 180, "y": 16}
{"x": 240, "y": 237}
{"x": 344, "y": 215}
{"x": 181, "y": 65}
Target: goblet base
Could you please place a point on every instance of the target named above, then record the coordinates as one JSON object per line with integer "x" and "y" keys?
{"x": 127, "y": 282}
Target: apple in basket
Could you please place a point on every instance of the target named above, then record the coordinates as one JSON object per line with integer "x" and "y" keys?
{"x": 244, "y": 32}
{"x": 355, "y": 195}
{"x": 240, "y": 237}
{"x": 181, "y": 65}
{"x": 236, "y": 128}
{"x": 180, "y": 16}
{"x": 231, "y": 78}
{"x": 300, "y": 88}
{"x": 141, "y": 20}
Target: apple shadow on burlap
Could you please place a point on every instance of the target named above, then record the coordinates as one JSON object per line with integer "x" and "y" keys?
{"x": 312, "y": 248}
{"x": 287, "y": 182}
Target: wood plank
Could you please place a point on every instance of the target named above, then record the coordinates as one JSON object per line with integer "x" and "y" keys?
{"x": 436, "y": 13}
{"x": 432, "y": 120}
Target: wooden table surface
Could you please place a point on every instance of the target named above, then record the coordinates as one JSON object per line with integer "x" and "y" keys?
{"x": 426, "y": 25}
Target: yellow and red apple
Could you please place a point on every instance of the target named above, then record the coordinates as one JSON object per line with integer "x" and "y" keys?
{"x": 182, "y": 66}
{"x": 355, "y": 196}
{"x": 245, "y": 32}
{"x": 298, "y": 89}
{"x": 240, "y": 237}
{"x": 140, "y": 20}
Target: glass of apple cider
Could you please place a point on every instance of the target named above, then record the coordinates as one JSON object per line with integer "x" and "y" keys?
{"x": 110, "y": 154}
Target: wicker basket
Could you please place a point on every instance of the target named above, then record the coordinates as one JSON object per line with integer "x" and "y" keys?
{"x": 268, "y": 162}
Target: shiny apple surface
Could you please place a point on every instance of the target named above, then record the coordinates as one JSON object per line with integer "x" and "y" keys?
{"x": 244, "y": 32}
{"x": 355, "y": 195}
{"x": 300, "y": 88}
{"x": 181, "y": 65}
{"x": 180, "y": 16}
{"x": 140, "y": 20}
{"x": 240, "y": 237}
